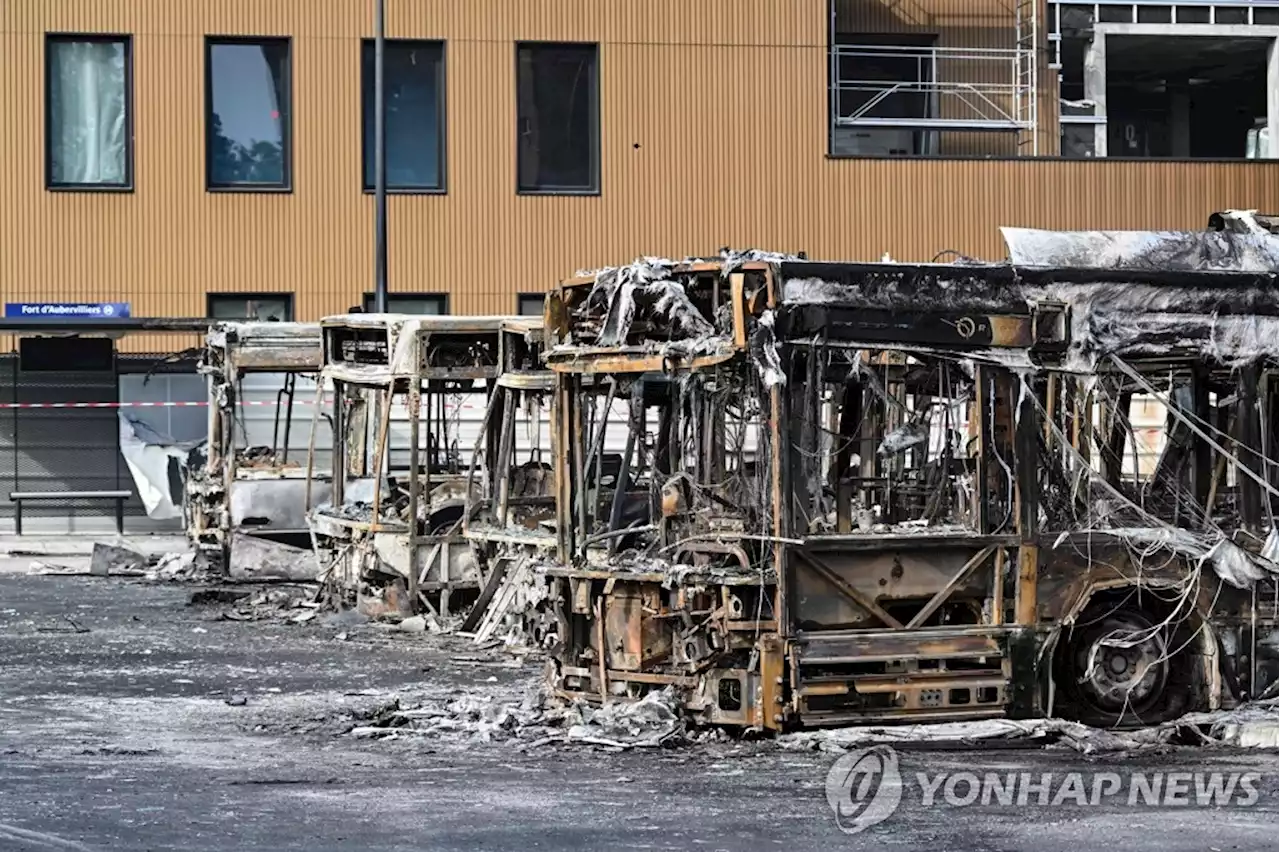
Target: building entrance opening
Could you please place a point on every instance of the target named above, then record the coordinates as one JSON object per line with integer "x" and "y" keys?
{"x": 1185, "y": 97}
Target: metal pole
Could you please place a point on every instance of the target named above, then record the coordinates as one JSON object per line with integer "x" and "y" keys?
{"x": 379, "y": 161}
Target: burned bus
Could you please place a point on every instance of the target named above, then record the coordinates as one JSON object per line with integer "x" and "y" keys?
{"x": 511, "y": 514}
{"x": 244, "y": 486}
{"x": 407, "y": 393}
{"x": 853, "y": 492}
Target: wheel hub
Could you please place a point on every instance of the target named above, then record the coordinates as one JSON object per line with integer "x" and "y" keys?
{"x": 1124, "y": 664}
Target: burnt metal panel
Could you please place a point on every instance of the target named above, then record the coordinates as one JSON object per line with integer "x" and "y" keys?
{"x": 867, "y": 325}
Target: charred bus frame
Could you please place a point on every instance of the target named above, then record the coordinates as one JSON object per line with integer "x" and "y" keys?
{"x": 391, "y": 538}
{"x": 230, "y": 493}
{"x": 511, "y": 514}
{"x": 919, "y": 533}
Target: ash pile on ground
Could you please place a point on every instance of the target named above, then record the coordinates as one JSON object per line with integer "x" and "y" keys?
{"x": 457, "y": 693}
{"x": 515, "y": 711}
{"x": 532, "y": 720}
{"x": 293, "y": 604}
{"x": 300, "y": 603}
{"x": 177, "y": 568}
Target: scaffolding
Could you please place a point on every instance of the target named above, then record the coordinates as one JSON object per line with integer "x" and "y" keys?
{"x": 932, "y": 88}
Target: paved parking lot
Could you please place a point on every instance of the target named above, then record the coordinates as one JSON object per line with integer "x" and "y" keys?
{"x": 131, "y": 721}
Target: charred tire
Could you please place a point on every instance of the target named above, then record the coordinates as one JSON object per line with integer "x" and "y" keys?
{"x": 1121, "y": 665}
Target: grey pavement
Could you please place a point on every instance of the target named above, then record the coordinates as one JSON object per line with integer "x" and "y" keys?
{"x": 131, "y": 721}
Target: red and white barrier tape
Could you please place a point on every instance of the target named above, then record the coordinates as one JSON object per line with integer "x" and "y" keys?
{"x": 201, "y": 404}
{"x": 132, "y": 404}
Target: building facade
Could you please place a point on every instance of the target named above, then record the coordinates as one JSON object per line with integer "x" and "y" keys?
{"x": 213, "y": 158}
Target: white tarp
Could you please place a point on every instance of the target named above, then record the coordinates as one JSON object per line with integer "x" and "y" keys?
{"x": 156, "y": 462}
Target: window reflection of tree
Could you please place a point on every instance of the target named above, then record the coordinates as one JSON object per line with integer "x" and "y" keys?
{"x": 253, "y": 161}
{"x": 261, "y": 161}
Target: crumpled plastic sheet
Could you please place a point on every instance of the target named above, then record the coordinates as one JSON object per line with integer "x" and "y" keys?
{"x": 764, "y": 352}
{"x": 1134, "y": 319}
{"x": 944, "y": 286}
{"x": 617, "y": 288}
{"x": 733, "y": 259}
{"x": 1205, "y": 251}
{"x": 903, "y": 438}
{"x": 1252, "y": 725}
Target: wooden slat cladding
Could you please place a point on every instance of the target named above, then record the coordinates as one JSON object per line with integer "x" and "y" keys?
{"x": 714, "y": 124}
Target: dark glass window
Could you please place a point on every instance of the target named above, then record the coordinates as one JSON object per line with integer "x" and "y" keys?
{"x": 262, "y": 307}
{"x": 530, "y": 304}
{"x": 247, "y": 113}
{"x": 558, "y": 118}
{"x": 414, "y": 81}
{"x": 89, "y": 138}
{"x": 431, "y": 304}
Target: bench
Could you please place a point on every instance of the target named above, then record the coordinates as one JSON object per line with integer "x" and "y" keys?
{"x": 19, "y": 497}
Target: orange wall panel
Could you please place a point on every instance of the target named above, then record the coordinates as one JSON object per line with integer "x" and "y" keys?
{"x": 713, "y": 133}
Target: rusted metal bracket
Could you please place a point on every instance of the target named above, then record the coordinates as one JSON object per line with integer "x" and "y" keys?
{"x": 772, "y": 659}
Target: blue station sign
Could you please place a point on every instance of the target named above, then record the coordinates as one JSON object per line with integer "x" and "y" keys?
{"x": 66, "y": 310}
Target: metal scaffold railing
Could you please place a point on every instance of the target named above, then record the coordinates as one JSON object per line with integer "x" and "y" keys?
{"x": 1027, "y": 76}
{"x": 940, "y": 87}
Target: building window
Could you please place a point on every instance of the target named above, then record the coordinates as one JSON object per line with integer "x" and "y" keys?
{"x": 899, "y": 93}
{"x": 558, "y": 118}
{"x": 430, "y": 304}
{"x": 1157, "y": 108}
{"x": 414, "y": 72}
{"x": 1184, "y": 93}
{"x": 530, "y": 304}
{"x": 262, "y": 307}
{"x": 89, "y": 132}
{"x": 247, "y": 113}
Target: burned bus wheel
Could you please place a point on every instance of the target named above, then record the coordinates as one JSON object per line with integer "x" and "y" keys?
{"x": 1120, "y": 664}
{"x": 1121, "y": 661}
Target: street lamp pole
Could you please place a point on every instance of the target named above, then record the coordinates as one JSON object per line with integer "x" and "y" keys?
{"x": 379, "y": 161}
